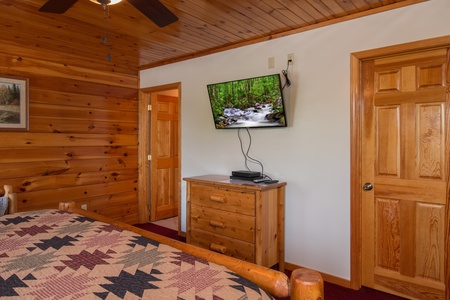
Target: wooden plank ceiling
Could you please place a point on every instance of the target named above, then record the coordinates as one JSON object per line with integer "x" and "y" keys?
{"x": 204, "y": 27}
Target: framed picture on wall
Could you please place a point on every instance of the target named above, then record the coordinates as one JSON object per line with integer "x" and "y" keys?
{"x": 13, "y": 103}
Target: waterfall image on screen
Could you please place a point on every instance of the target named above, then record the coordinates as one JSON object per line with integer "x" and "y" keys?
{"x": 248, "y": 103}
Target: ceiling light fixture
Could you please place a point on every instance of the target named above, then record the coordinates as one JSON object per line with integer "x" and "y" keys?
{"x": 106, "y": 2}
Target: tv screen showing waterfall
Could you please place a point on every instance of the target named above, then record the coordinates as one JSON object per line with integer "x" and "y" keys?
{"x": 248, "y": 103}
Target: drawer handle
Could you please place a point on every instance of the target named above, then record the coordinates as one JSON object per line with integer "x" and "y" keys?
{"x": 217, "y": 224}
{"x": 221, "y": 199}
{"x": 218, "y": 248}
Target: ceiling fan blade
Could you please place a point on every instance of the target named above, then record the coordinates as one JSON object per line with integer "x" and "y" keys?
{"x": 155, "y": 11}
{"x": 57, "y": 6}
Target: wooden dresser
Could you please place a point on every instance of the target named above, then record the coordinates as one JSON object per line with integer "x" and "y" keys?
{"x": 237, "y": 218}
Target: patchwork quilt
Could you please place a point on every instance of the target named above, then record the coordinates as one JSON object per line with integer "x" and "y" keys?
{"x": 52, "y": 254}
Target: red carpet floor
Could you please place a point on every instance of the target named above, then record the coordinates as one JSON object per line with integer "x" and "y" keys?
{"x": 173, "y": 234}
{"x": 331, "y": 291}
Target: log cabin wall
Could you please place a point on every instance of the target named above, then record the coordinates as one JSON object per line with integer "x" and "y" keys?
{"x": 82, "y": 142}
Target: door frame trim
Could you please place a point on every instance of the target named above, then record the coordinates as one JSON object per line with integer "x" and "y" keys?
{"x": 144, "y": 148}
{"x": 356, "y": 180}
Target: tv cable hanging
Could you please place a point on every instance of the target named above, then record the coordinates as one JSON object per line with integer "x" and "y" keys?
{"x": 285, "y": 74}
{"x": 247, "y": 158}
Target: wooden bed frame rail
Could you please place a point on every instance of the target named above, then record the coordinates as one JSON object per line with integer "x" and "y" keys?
{"x": 304, "y": 284}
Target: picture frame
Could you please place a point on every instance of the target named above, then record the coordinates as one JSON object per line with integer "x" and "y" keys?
{"x": 13, "y": 103}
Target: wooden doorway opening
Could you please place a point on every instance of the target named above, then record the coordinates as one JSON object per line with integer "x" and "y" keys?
{"x": 159, "y": 153}
{"x": 358, "y": 153}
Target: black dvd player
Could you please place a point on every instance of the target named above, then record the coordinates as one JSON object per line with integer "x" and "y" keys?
{"x": 245, "y": 174}
{"x": 246, "y": 178}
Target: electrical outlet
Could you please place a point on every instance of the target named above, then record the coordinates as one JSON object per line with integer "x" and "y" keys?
{"x": 291, "y": 58}
{"x": 271, "y": 62}
{"x": 84, "y": 206}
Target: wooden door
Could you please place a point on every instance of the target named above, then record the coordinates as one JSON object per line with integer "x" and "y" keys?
{"x": 404, "y": 157}
{"x": 165, "y": 175}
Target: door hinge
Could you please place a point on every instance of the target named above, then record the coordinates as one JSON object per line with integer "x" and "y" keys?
{"x": 149, "y": 107}
{"x": 149, "y": 157}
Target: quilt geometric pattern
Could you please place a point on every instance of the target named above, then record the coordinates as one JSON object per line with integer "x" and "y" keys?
{"x": 52, "y": 254}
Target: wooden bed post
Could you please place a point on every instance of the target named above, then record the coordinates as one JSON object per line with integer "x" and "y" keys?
{"x": 66, "y": 205}
{"x": 12, "y": 198}
{"x": 306, "y": 284}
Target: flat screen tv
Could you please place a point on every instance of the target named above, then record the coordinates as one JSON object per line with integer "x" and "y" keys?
{"x": 248, "y": 103}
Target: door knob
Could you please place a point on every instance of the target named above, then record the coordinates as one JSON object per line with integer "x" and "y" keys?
{"x": 367, "y": 186}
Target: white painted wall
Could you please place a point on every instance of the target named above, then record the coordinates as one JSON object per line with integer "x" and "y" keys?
{"x": 312, "y": 154}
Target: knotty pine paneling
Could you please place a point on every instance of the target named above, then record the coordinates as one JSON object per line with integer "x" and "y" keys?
{"x": 48, "y": 168}
{"x": 204, "y": 27}
{"x": 82, "y": 142}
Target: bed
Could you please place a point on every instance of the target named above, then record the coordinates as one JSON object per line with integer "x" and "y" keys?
{"x": 69, "y": 253}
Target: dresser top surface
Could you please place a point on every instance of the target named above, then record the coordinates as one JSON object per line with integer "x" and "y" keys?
{"x": 215, "y": 179}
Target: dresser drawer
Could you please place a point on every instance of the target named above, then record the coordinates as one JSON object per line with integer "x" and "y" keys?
{"x": 229, "y": 224}
{"x": 223, "y": 199}
{"x": 221, "y": 244}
